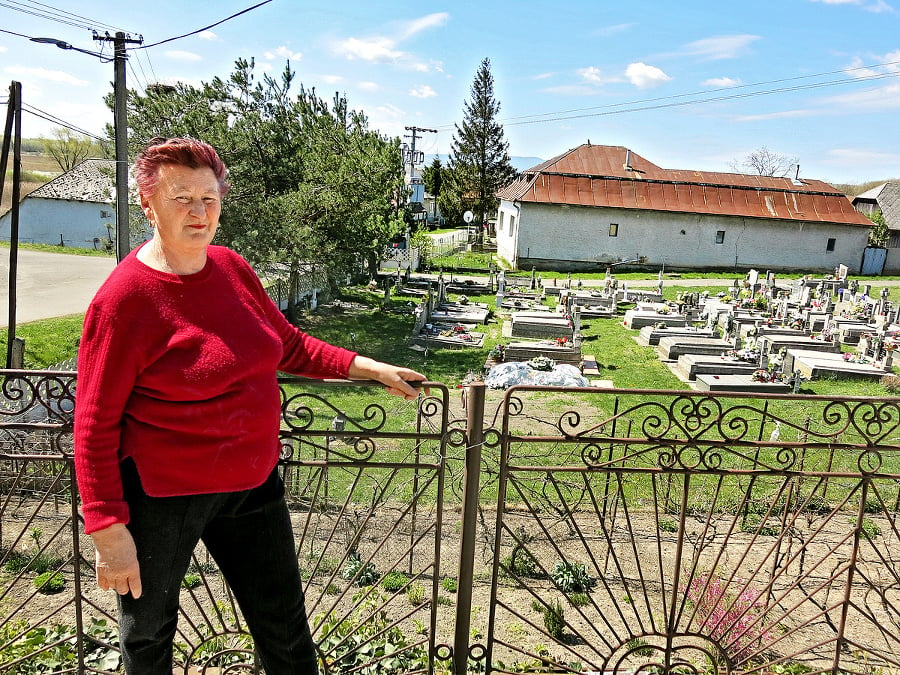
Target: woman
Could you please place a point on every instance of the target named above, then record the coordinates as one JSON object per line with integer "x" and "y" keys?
{"x": 177, "y": 419}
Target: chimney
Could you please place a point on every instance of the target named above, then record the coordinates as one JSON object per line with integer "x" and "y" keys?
{"x": 628, "y": 160}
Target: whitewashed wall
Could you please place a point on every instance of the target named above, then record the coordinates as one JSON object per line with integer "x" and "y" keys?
{"x": 545, "y": 236}
{"x": 42, "y": 221}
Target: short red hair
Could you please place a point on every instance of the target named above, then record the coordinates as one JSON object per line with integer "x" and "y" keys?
{"x": 187, "y": 152}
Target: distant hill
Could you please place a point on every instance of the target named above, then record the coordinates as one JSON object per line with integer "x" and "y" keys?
{"x": 519, "y": 163}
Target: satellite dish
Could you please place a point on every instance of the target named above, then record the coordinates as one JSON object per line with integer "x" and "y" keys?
{"x": 467, "y": 216}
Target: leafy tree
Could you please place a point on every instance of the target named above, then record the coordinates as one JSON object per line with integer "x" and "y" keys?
{"x": 69, "y": 149}
{"x": 764, "y": 162}
{"x": 878, "y": 235}
{"x": 314, "y": 189}
{"x": 432, "y": 178}
{"x": 479, "y": 162}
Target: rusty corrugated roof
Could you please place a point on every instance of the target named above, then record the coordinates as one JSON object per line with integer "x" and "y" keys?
{"x": 613, "y": 176}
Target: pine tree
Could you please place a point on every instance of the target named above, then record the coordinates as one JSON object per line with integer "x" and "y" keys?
{"x": 479, "y": 163}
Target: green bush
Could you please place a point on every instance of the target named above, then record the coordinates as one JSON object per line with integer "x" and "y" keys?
{"x": 415, "y": 594}
{"x": 49, "y": 582}
{"x": 191, "y": 580}
{"x": 358, "y": 572}
{"x": 668, "y": 525}
{"x": 554, "y": 620}
{"x": 521, "y": 563}
{"x": 579, "y": 599}
{"x": 394, "y": 581}
{"x": 572, "y": 577}
{"x": 449, "y": 584}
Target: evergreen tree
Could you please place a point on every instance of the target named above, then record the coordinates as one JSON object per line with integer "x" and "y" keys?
{"x": 479, "y": 163}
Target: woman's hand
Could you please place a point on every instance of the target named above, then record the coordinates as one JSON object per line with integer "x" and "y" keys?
{"x": 395, "y": 379}
{"x": 116, "y": 561}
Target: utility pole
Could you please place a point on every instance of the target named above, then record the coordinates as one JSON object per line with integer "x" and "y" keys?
{"x": 413, "y": 157}
{"x": 120, "y": 40}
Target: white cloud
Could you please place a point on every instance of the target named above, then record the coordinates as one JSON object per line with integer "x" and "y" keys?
{"x": 375, "y": 49}
{"x": 423, "y": 91}
{"x": 180, "y": 55}
{"x": 429, "y": 21}
{"x": 644, "y": 76}
{"x": 331, "y": 79}
{"x": 878, "y": 99}
{"x": 890, "y": 61}
{"x": 2, "y": 49}
{"x": 860, "y": 157}
{"x": 208, "y": 35}
{"x": 720, "y": 47}
{"x": 781, "y": 114}
{"x": 542, "y": 76}
{"x": 591, "y": 74}
{"x": 369, "y": 86}
{"x": 283, "y": 53}
{"x": 58, "y": 76}
{"x": 612, "y": 30}
{"x": 876, "y": 6}
{"x": 720, "y": 82}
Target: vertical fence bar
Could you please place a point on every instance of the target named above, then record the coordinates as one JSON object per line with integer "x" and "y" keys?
{"x": 475, "y": 397}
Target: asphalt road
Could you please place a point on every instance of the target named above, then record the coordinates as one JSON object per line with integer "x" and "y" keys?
{"x": 50, "y": 284}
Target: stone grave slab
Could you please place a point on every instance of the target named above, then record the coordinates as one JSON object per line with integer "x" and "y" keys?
{"x": 454, "y": 312}
{"x": 772, "y": 344}
{"x": 638, "y": 318}
{"x": 739, "y": 383}
{"x": 448, "y": 336}
{"x": 525, "y": 350}
{"x": 540, "y": 325}
{"x": 813, "y": 365}
{"x": 692, "y": 365}
{"x": 523, "y": 304}
{"x": 651, "y": 335}
{"x": 670, "y": 348}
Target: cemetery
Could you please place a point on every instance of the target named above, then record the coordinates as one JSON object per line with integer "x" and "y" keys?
{"x": 758, "y": 335}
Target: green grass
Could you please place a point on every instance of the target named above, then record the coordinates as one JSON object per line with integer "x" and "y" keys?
{"x": 47, "y": 342}
{"x": 67, "y": 250}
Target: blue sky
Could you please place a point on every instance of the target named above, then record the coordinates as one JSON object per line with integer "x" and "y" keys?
{"x": 692, "y": 84}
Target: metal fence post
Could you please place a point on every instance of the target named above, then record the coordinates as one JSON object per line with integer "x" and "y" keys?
{"x": 475, "y": 396}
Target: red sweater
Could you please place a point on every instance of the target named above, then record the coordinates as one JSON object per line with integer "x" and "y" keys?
{"x": 179, "y": 373}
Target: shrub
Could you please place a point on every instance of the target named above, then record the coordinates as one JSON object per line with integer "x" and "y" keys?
{"x": 366, "y": 642}
{"x": 521, "y": 563}
{"x": 415, "y": 594}
{"x": 572, "y": 577}
{"x": 49, "y": 582}
{"x": 668, "y": 525}
{"x": 190, "y": 580}
{"x": 358, "y": 572}
{"x": 449, "y": 584}
{"x": 394, "y": 581}
{"x": 554, "y": 620}
{"x": 579, "y": 599}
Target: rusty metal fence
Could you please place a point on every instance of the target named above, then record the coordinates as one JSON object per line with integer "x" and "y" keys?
{"x": 536, "y": 530}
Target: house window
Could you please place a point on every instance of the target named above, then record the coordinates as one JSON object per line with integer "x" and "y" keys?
{"x": 829, "y": 247}
{"x": 105, "y": 214}
{"x": 613, "y": 229}
{"x": 894, "y": 241}
{"x": 720, "y": 236}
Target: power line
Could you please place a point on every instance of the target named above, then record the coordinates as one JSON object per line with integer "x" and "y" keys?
{"x": 200, "y": 30}
{"x": 57, "y": 14}
{"x": 49, "y": 117}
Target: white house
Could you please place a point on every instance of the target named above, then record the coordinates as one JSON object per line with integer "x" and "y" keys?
{"x": 74, "y": 209}
{"x": 596, "y": 205}
{"x": 885, "y": 198}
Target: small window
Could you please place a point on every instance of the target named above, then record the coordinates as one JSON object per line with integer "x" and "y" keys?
{"x": 720, "y": 236}
{"x": 613, "y": 229}
{"x": 829, "y": 247}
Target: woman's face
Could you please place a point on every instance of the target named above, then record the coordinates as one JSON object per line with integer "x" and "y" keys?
{"x": 186, "y": 206}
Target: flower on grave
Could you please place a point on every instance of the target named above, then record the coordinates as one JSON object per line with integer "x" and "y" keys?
{"x": 542, "y": 363}
{"x": 660, "y": 325}
{"x": 663, "y": 310}
{"x": 761, "y": 302}
{"x": 797, "y": 324}
{"x": 459, "y": 329}
{"x": 727, "y": 298}
{"x": 498, "y": 353}
{"x": 463, "y": 299}
{"x": 562, "y": 341}
{"x": 761, "y": 375}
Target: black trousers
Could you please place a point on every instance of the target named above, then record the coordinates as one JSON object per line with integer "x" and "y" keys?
{"x": 249, "y": 535}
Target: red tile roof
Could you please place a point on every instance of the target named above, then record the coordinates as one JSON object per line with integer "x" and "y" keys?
{"x": 597, "y": 175}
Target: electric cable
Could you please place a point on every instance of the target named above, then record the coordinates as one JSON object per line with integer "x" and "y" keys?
{"x": 200, "y": 30}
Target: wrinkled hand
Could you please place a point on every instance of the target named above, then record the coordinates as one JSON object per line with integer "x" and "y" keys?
{"x": 394, "y": 378}
{"x": 116, "y": 561}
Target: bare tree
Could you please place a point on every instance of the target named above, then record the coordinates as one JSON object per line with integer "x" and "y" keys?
{"x": 69, "y": 148}
{"x": 764, "y": 162}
